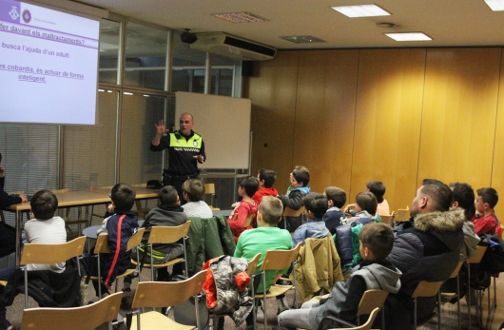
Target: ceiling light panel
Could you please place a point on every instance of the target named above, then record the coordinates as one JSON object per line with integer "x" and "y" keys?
{"x": 240, "y": 17}
{"x": 409, "y": 36}
{"x": 302, "y": 39}
{"x": 495, "y": 5}
{"x": 361, "y": 11}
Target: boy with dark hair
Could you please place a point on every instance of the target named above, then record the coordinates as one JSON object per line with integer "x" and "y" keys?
{"x": 245, "y": 212}
{"x": 44, "y": 229}
{"x": 463, "y": 199}
{"x": 378, "y": 189}
{"x": 364, "y": 209}
{"x": 299, "y": 179}
{"x": 336, "y": 198}
{"x": 316, "y": 207}
{"x": 120, "y": 226}
{"x": 167, "y": 213}
{"x": 486, "y": 222}
{"x": 266, "y": 181}
{"x": 193, "y": 191}
{"x": 374, "y": 272}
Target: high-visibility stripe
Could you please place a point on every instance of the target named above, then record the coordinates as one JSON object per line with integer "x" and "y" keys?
{"x": 118, "y": 249}
{"x": 194, "y": 141}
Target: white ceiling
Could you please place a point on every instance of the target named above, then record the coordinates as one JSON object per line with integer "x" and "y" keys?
{"x": 448, "y": 22}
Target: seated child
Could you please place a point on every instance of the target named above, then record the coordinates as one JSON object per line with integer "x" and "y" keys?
{"x": 336, "y": 198}
{"x": 193, "y": 191}
{"x": 245, "y": 212}
{"x": 378, "y": 189}
{"x": 120, "y": 226}
{"x": 167, "y": 213}
{"x": 485, "y": 221}
{"x": 364, "y": 209}
{"x": 316, "y": 206}
{"x": 299, "y": 179}
{"x": 44, "y": 229}
{"x": 374, "y": 272}
{"x": 266, "y": 181}
{"x": 463, "y": 199}
{"x": 267, "y": 236}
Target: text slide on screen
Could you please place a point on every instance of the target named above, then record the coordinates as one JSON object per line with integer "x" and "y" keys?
{"x": 48, "y": 65}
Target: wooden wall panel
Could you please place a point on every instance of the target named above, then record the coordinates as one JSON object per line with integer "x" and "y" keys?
{"x": 325, "y": 111}
{"x": 387, "y": 127}
{"x": 498, "y": 158}
{"x": 459, "y": 113}
{"x": 272, "y": 90}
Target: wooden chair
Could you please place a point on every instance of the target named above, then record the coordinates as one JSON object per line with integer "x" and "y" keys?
{"x": 401, "y": 215}
{"x": 370, "y": 300}
{"x": 276, "y": 260}
{"x": 426, "y": 289}
{"x": 48, "y": 254}
{"x": 474, "y": 259}
{"x": 102, "y": 247}
{"x": 164, "y": 294}
{"x": 449, "y": 295}
{"x": 76, "y": 318}
{"x": 387, "y": 219}
{"x": 166, "y": 235}
{"x": 288, "y": 212}
{"x": 210, "y": 191}
{"x": 365, "y": 326}
{"x": 251, "y": 269}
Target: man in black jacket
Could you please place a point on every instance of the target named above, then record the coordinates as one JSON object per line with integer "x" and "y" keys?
{"x": 426, "y": 251}
{"x": 7, "y": 233}
{"x": 5, "y": 198}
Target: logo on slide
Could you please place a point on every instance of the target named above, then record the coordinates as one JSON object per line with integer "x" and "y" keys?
{"x": 13, "y": 13}
{"x": 26, "y": 16}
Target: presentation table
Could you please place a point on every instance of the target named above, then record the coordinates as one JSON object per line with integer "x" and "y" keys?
{"x": 67, "y": 199}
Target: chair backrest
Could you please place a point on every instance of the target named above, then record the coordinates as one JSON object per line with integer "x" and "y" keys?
{"x": 209, "y": 188}
{"x": 370, "y": 300}
{"x": 477, "y": 256}
{"x": 168, "y": 234}
{"x": 252, "y": 264}
{"x": 135, "y": 240}
{"x": 280, "y": 259}
{"x": 426, "y": 289}
{"x": 367, "y": 325}
{"x": 401, "y": 215}
{"x": 103, "y": 247}
{"x": 456, "y": 271}
{"x": 75, "y": 318}
{"x": 288, "y": 212}
{"x": 52, "y": 253}
{"x": 166, "y": 294}
{"x": 387, "y": 219}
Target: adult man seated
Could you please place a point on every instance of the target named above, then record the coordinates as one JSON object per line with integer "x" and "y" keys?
{"x": 428, "y": 250}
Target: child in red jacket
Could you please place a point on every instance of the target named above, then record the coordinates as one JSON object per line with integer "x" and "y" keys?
{"x": 245, "y": 212}
{"x": 266, "y": 179}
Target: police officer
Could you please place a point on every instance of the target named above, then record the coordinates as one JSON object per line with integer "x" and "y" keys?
{"x": 185, "y": 150}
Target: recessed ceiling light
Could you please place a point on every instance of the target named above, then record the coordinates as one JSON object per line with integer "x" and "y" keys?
{"x": 495, "y": 5}
{"x": 240, "y": 17}
{"x": 302, "y": 39}
{"x": 361, "y": 10}
{"x": 409, "y": 36}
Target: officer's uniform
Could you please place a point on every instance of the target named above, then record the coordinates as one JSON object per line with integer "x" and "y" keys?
{"x": 181, "y": 152}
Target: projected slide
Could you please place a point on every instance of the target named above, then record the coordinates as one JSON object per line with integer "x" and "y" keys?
{"x": 48, "y": 65}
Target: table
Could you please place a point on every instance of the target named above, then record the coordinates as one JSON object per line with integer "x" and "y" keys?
{"x": 77, "y": 198}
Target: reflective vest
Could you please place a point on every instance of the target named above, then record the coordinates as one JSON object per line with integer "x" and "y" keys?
{"x": 180, "y": 143}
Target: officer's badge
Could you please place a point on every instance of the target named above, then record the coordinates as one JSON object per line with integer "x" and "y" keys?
{"x": 195, "y": 143}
